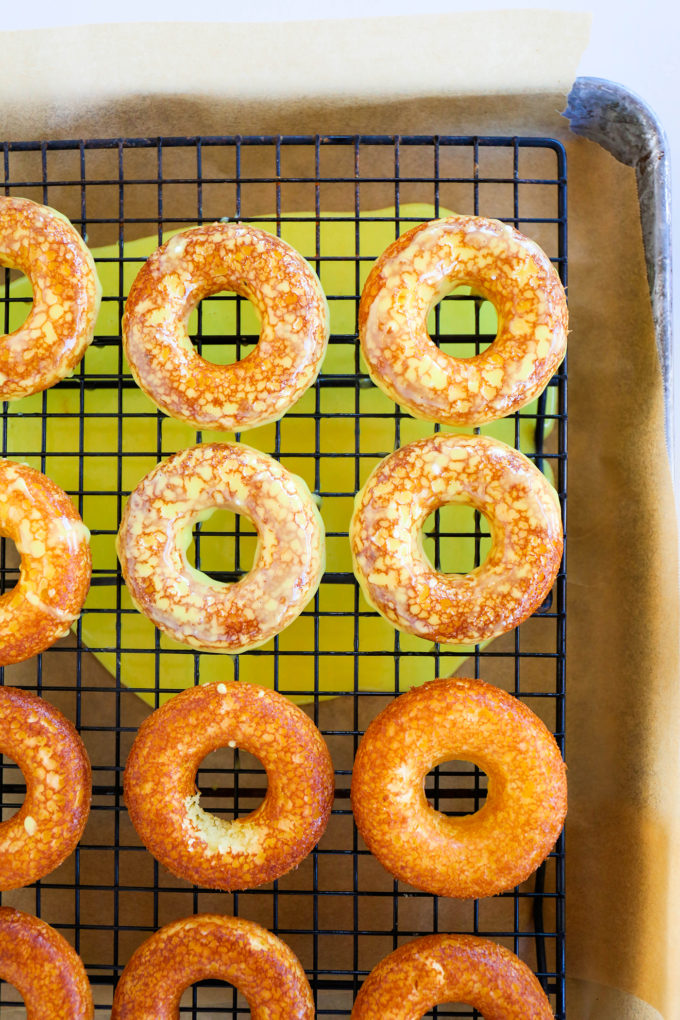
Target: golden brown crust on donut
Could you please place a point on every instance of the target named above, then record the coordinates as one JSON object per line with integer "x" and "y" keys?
{"x": 287, "y": 296}
{"x": 475, "y": 855}
{"x": 192, "y": 608}
{"x": 66, "y": 293}
{"x": 161, "y": 797}
{"x": 206, "y": 946}
{"x": 44, "y": 968}
{"x": 56, "y": 768}
{"x": 451, "y": 968}
{"x": 415, "y": 272}
{"x": 55, "y": 562}
{"x": 526, "y": 528}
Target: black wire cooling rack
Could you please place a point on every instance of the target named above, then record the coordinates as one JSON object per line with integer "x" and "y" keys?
{"x": 340, "y": 200}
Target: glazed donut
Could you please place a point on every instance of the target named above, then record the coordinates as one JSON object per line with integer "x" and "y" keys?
{"x": 44, "y": 969}
{"x": 55, "y": 562}
{"x": 523, "y": 513}
{"x": 66, "y": 293}
{"x": 155, "y": 533}
{"x": 415, "y": 273}
{"x": 232, "y": 949}
{"x": 163, "y": 802}
{"x": 465, "y": 969}
{"x": 53, "y": 760}
{"x": 288, "y": 299}
{"x": 476, "y": 855}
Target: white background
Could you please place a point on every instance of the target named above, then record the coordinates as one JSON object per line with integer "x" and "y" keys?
{"x": 631, "y": 43}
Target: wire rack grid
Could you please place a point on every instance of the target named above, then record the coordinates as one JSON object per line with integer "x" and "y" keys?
{"x": 340, "y": 200}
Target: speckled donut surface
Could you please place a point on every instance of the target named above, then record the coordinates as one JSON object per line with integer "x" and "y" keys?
{"x": 415, "y": 273}
{"x": 223, "y": 948}
{"x": 155, "y": 533}
{"x": 287, "y": 296}
{"x": 526, "y": 530}
{"x": 470, "y": 856}
{"x": 44, "y": 969}
{"x": 66, "y": 293}
{"x": 161, "y": 795}
{"x": 56, "y": 768}
{"x": 55, "y": 562}
{"x": 437, "y": 969}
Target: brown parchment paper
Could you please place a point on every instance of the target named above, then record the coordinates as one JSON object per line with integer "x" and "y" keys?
{"x": 505, "y": 73}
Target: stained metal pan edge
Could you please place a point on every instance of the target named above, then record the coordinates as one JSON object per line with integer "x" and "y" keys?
{"x": 622, "y": 123}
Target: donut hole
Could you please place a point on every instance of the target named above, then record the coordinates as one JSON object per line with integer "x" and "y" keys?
{"x": 12, "y": 1003}
{"x": 454, "y": 1009}
{"x": 231, "y": 782}
{"x": 456, "y": 538}
{"x": 10, "y": 560}
{"x": 13, "y": 788}
{"x": 463, "y": 323}
{"x": 217, "y": 994}
{"x": 456, "y": 788}
{"x": 19, "y": 300}
{"x": 223, "y": 545}
{"x": 224, "y": 328}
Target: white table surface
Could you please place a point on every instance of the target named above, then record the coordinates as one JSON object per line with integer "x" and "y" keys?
{"x": 636, "y": 45}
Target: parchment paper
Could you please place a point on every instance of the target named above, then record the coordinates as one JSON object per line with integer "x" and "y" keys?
{"x": 505, "y": 73}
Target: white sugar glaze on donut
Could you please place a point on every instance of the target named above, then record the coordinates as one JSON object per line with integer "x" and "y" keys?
{"x": 156, "y": 530}
{"x": 415, "y": 273}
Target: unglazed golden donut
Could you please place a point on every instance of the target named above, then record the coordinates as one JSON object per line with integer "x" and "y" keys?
{"x": 155, "y": 533}
{"x": 55, "y": 765}
{"x": 260, "y": 965}
{"x": 161, "y": 795}
{"x": 66, "y": 293}
{"x": 523, "y": 513}
{"x": 44, "y": 969}
{"x": 415, "y": 273}
{"x": 55, "y": 562}
{"x": 475, "y": 855}
{"x": 289, "y": 301}
{"x": 437, "y": 969}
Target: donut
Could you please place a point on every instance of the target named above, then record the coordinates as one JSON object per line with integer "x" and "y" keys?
{"x": 56, "y": 768}
{"x": 288, "y": 299}
{"x": 523, "y": 514}
{"x": 475, "y": 855}
{"x": 55, "y": 562}
{"x": 189, "y": 606}
{"x": 44, "y": 245}
{"x": 44, "y": 969}
{"x": 223, "y": 948}
{"x": 465, "y": 969}
{"x": 415, "y": 273}
{"x": 163, "y": 802}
